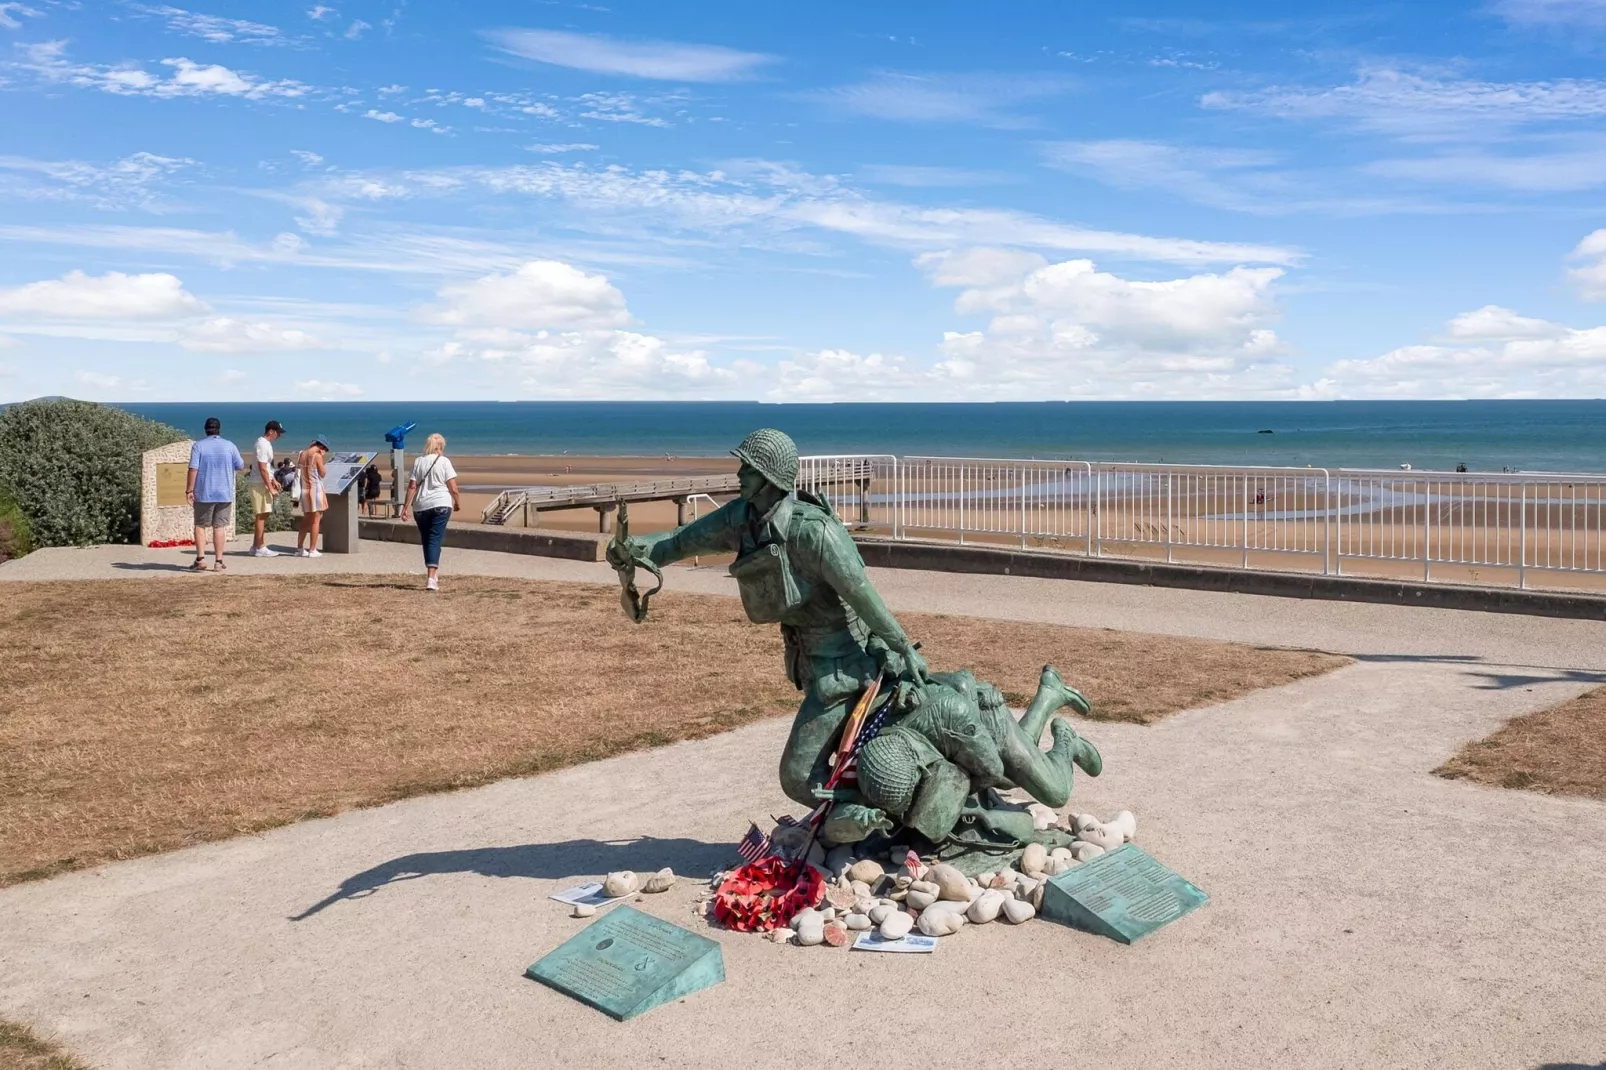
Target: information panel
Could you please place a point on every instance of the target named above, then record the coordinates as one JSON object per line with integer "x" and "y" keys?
{"x": 627, "y": 962}
{"x": 171, "y": 479}
{"x": 1124, "y": 895}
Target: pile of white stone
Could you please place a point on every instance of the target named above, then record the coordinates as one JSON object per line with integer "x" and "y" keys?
{"x": 938, "y": 899}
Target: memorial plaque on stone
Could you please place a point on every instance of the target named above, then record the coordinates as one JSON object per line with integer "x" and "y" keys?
{"x": 1124, "y": 895}
{"x": 171, "y": 481}
{"x": 628, "y": 962}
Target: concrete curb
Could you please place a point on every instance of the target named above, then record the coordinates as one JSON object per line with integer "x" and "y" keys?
{"x": 574, "y": 546}
{"x": 939, "y": 557}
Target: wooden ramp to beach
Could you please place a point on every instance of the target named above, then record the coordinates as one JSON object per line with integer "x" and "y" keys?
{"x": 605, "y": 498}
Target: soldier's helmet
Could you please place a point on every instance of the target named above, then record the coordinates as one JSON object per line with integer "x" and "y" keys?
{"x": 773, "y": 453}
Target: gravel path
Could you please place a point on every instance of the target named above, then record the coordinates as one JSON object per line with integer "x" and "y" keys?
{"x": 1364, "y": 913}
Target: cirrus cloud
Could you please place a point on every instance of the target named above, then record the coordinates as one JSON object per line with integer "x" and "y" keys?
{"x": 661, "y": 60}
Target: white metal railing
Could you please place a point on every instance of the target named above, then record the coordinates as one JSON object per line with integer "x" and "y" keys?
{"x": 1480, "y": 528}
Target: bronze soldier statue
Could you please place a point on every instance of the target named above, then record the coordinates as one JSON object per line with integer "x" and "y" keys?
{"x": 950, "y": 739}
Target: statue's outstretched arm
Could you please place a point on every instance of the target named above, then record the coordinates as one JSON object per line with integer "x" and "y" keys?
{"x": 718, "y": 532}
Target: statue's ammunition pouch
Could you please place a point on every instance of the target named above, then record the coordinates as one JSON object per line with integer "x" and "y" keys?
{"x": 769, "y": 589}
{"x": 763, "y": 571}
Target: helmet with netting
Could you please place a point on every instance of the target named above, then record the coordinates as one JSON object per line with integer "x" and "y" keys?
{"x": 773, "y": 454}
{"x": 889, "y": 771}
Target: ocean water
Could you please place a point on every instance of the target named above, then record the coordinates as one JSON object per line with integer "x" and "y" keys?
{"x": 1554, "y": 436}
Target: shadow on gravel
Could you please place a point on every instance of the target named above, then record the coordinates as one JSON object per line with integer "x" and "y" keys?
{"x": 1493, "y": 680}
{"x": 545, "y": 861}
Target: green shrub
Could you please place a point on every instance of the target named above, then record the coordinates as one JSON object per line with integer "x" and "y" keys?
{"x": 74, "y": 468}
{"x": 15, "y": 537}
{"x": 283, "y": 517}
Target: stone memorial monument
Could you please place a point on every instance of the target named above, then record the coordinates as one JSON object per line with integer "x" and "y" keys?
{"x": 165, "y": 515}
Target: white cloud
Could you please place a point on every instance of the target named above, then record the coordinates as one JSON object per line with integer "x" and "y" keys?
{"x": 1399, "y": 102}
{"x": 662, "y": 60}
{"x": 319, "y": 12}
{"x": 1589, "y": 14}
{"x": 552, "y": 149}
{"x": 617, "y": 108}
{"x": 325, "y": 390}
{"x": 97, "y": 380}
{"x": 1221, "y": 178}
{"x": 540, "y": 294}
{"x": 131, "y": 182}
{"x": 214, "y": 28}
{"x": 1590, "y": 276}
{"x": 77, "y": 296}
{"x": 984, "y": 99}
{"x": 10, "y": 11}
{"x": 382, "y": 116}
{"x": 1490, "y": 353}
{"x": 1580, "y": 167}
{"x": 782, "y": 200}
{"x": 1068, "y": 330}
{"x": 48, "y": 61}
{"x": 225, "y": 334}
{"x": 310, "y": 159}
{"x": 842, "y": 375}
{"x": 923, "y": 177}
{"x": 355, "y": 30}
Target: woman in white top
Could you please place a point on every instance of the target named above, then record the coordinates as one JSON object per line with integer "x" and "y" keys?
{"x": 432, "y": 499}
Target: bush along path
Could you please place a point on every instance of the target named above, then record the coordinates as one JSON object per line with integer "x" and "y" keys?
{"x": 73, "y": 469}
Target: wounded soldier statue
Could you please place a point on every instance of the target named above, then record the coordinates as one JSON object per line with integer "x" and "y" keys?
{"x": 931, "y": 763}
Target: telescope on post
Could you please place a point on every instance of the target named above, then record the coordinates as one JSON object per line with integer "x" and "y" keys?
{"x": 396, "y": 438}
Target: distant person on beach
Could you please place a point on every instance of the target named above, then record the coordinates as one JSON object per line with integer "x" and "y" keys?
{"x": 370, "y": 487}
{"x": 210, "y": 490}
{"x": 432, "y": 498}
{"x": 264, "y": 487}
{"x": 285, "y": 473}
{"x": 313, "y": 499}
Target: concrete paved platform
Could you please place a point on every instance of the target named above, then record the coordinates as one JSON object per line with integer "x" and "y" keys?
{"x": 1364, "y": 913}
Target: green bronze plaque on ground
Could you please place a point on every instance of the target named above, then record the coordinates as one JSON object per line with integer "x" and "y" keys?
{"x": 627, "y": 962}
{"x": 1123, "y": 895}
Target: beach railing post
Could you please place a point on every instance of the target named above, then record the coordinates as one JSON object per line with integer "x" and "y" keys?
{"x": 1327, "y": 526}
{"x": 1427, "y": 529}
{"x": 1245, "y": 538}
{"x": 1023, "y": 507}
{"x": 961, "y": 504}
{"x": 1522, "y": 536}
{"x": 1169, "y": 511}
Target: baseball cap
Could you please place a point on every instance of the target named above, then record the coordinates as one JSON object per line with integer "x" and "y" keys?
{"x": 213, "y": 425}
{"x": 273, "y": 425}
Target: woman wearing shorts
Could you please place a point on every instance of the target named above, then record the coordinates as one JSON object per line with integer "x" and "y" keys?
{"x": 432, "y": 498}
{"x": 313, "y": 499}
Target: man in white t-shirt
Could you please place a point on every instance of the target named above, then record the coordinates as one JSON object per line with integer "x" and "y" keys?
{"x": 264, "y": 487}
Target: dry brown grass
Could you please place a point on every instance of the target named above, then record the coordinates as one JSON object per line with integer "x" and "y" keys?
{"x": 20, "y": 1049}
{"x": 1559, "y": 751}
{"x": 142, "y": 716}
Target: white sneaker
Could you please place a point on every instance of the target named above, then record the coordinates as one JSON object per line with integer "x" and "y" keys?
{"x": 434, "y": 584}
{"x": 263, "y": 551}
{"x": 314, "y": 553}
{"x": 301, "y": 553}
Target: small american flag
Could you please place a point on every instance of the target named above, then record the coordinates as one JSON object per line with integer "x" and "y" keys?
{"x": 849, "y": 774}
{"x": 754, "y": 845}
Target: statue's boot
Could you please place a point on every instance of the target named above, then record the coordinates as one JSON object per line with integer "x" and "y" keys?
{"x": 1052, "y": 695}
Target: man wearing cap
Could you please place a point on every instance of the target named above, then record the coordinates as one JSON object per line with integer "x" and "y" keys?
{"x": 210, "y": 490}
{"x": 264, "y": 487}
{"x": 797, "y": 566}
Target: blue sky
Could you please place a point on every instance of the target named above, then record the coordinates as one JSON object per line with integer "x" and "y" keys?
{"x": 808, "y": 202}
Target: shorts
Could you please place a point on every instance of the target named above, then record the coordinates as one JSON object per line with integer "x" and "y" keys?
{"x": 212, "y": 514}
{"x": 261, "y": 500}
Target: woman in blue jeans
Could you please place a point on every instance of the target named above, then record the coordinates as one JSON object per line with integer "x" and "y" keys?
{"x": 432, "y": 499}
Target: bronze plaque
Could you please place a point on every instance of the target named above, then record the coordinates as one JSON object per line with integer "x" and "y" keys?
{"x": 170, "y": 483}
